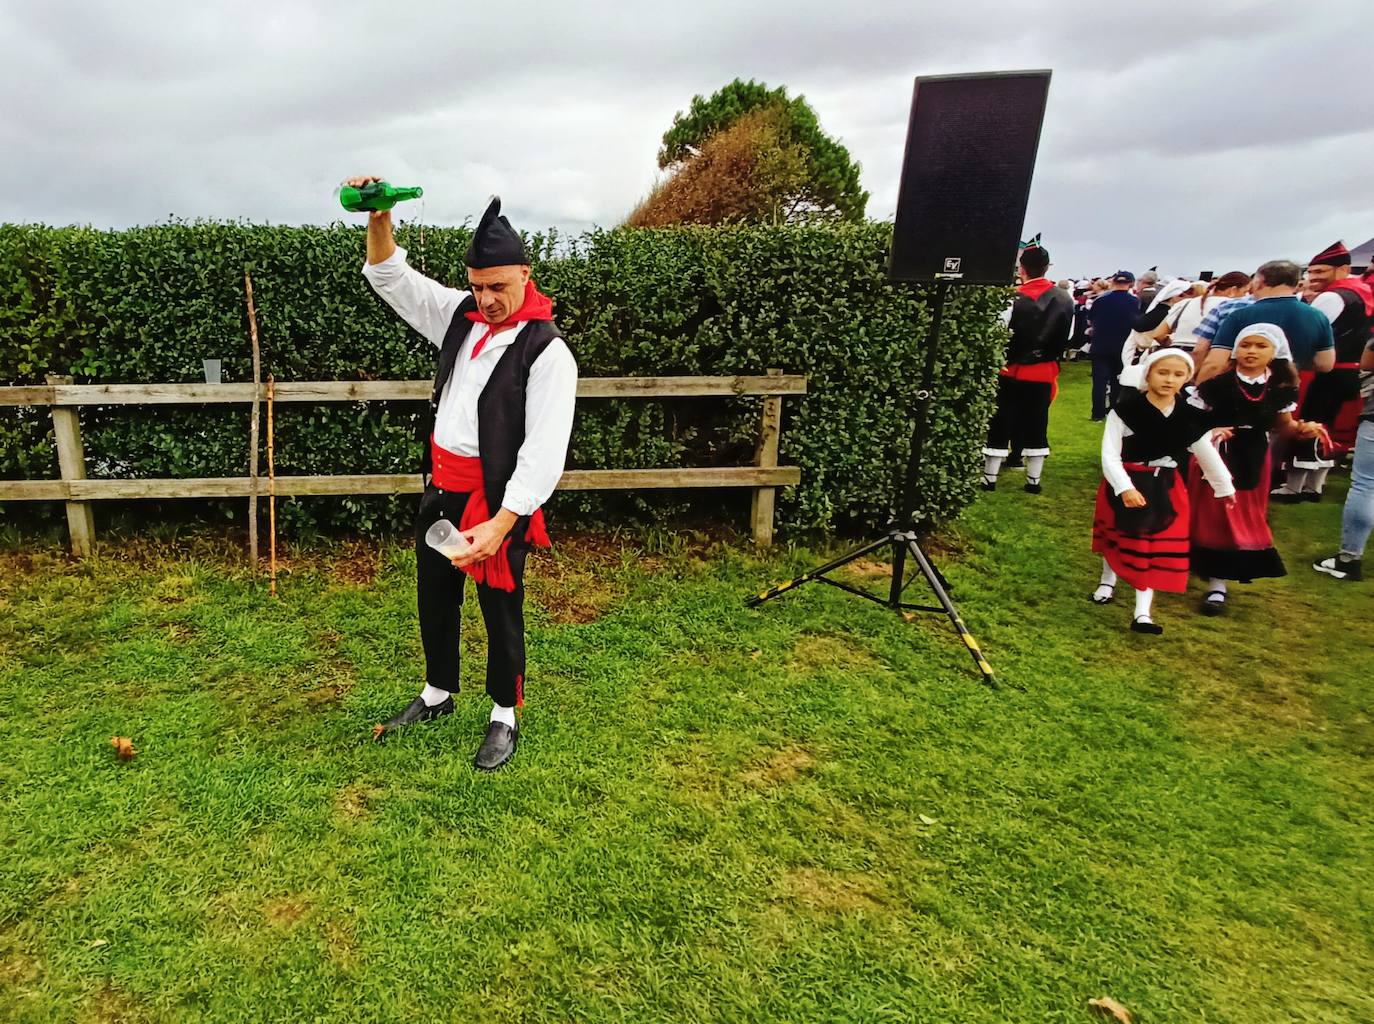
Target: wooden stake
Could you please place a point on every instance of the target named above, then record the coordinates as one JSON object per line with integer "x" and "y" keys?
{"x": 271, "y": 494}
{"x": 253, "y": 430}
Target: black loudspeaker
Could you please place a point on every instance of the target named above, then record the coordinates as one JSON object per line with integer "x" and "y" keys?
{"x": 966, "y": 176}
{"x": 1206, "y": 275}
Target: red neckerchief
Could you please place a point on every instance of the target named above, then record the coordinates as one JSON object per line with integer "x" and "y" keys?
{"x": 537, "y": 306}
{"x": 1359, "y": 287}
{"x": 1036, "y": 287}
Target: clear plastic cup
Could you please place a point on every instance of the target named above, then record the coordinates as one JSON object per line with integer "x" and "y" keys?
{"x": 445, "y": 538}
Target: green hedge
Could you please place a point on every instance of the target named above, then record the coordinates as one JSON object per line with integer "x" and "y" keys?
{"x": 148, "y": 304}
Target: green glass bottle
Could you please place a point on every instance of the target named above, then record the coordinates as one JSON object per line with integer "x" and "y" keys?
{"x": 376, "y": 195}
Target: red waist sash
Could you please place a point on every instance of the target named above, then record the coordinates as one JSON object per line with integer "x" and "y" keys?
{"x": 463, "y": 475}
{"x": 1039, "y": 373}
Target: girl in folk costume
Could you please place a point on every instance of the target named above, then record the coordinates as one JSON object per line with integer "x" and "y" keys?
{"x": 1257, "y": 394}
{"x": 1141, "y": 522}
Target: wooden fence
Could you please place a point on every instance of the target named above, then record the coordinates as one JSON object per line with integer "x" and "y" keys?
{"x": 74, "y": 488}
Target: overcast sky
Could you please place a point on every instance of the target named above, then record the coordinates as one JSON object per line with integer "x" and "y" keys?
{"x": 1190, "y": 135}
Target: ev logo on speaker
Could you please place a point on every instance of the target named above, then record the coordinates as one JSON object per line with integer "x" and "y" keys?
{"x": 952, "y": 264}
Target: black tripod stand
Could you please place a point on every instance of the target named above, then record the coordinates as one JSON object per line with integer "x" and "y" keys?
{"x": 901, "y": 535}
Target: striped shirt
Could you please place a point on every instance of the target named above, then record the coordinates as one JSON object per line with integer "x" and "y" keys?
{"x": 1207, "y": 330}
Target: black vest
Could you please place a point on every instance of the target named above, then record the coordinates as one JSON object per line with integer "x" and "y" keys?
{"x": 1351, "y": 328}
{"x": 500, "y": 407}
{"x": 1040, "y": 327}
{"x": 1154, "y": 435}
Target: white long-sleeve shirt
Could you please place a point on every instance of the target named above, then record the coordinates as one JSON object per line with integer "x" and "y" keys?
{"x": 1330, "y": 303}
{"x": 1208, "y": 459}
{"x": 429, "y": 307}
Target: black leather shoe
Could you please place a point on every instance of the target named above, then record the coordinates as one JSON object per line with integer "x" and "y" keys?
{"x": 1030, "y": 488}
{"x": 497, "y": 748}
{"x": 416, "y": 711}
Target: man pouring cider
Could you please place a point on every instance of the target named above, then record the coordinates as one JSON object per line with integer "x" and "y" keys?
{"x": 499, "y": 420}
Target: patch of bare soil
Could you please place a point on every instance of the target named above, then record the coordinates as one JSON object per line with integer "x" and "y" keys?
{"x": 781, "y": 766}
{"x": 830, "y": 891}
{"x": 284, "y": 912}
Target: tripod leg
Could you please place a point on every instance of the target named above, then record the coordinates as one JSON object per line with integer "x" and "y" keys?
{"x": 806, "y": 577}
{"x": 936, "y": 582}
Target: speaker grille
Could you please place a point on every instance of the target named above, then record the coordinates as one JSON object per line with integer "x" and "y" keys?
{"x": 970, "y": 153}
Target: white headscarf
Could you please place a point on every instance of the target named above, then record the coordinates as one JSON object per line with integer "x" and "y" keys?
{"x": 1172, "y": 290}
{"x": 1154, "y": 356}
{"x": 1272, "y": 333}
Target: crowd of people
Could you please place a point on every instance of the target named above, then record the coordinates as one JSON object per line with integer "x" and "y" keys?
{"x": 1216, "y": 398}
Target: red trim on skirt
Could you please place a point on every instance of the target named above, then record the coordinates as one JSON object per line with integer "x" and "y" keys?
{"x": 1244, "y": 528}
{"x": 1158, "y": 561}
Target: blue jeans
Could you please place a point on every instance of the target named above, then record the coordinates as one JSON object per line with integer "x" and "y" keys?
{"x": 1357, "y": 521}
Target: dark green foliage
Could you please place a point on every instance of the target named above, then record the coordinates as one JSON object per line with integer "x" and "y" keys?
{"x": 149, "y": 303}
{"x": 832, "y": 188}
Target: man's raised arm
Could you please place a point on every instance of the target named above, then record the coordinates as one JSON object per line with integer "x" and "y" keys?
{"x": 425, "y": 304}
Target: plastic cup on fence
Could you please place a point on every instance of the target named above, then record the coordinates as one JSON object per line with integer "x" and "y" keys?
{"x": 213, "y": 374}
{"x": 444, "y": 538}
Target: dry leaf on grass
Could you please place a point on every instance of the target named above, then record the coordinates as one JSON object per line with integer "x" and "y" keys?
{"x": 926, "y": 820}
{"x": 377, "y": 731}
{"x": 1108, "y": 1006}
{"x": 98, "y": 943}
{"x": 124, "y": 747}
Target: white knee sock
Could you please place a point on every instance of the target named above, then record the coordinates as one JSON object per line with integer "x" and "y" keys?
{"x": 1143, "y": 600}
{"x": 1035, "y": 464}
{"x": 992, "y": 465}
{"x": 1108, "y": 575}
{"x": 432, "y": 695}
{"x": 1316, "y": 479}
{"x": 1297, "y": 480}
{"x": 1215, "y": 586}
{"x": 506, "y": 716}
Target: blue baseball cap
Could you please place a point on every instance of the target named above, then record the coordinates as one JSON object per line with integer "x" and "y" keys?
{"x": 1124, "y": 277}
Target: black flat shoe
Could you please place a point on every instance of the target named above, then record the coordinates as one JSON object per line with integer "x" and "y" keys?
{"x": 497, "y": 748}
{"x": 1144, "y": 625}
{"x": 1210, "y": 607}
{"x": 990, "y": 486}
{"x": 416, "y": 711}
{"x": 1031, "y": 488}
{"x": 1312, "y": 496}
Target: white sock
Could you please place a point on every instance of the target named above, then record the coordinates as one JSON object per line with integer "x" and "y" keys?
{"x": 992, "y": 465}
{"x": 432, "y": 695}
{"x": 1143, "y": 600}
{"x": 1316, "y": 479}
{"x": 1216, "y": 586}
{"x": 1108, "y": 574}
{"x": 506, "y": 716}
{"x": 1297, "y": 481}
{"x": 1035, "y": 464}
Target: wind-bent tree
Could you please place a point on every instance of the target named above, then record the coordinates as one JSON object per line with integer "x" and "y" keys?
{"x": 750, "y": 153}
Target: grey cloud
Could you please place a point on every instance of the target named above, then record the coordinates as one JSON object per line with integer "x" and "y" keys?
{"x": 1186, "y": 135}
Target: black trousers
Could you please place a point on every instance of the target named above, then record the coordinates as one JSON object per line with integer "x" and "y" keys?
{"x": 439, "y": 594}
{"x": 1106, "y": 387}
{"x": 1022, "y": 419}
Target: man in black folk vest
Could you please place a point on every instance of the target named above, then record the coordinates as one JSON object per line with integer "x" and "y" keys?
{"x": 495, "y": 442}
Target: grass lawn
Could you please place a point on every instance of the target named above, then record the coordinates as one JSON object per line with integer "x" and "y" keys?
{"x": 809, "y": 812}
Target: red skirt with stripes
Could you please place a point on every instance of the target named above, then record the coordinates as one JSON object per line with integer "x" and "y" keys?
{"x": 1157, "y": 561}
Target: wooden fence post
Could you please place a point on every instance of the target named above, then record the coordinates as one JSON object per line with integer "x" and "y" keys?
{"x": 761, "y": 508}
{"x": 71, "y": 459}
